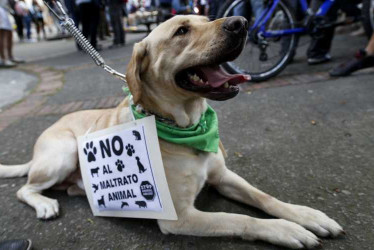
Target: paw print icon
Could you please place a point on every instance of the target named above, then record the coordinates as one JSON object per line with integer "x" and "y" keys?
{"x": 130, "y": 149}
{"x": 120, "y": 165}
{"x": 90, "y": 151}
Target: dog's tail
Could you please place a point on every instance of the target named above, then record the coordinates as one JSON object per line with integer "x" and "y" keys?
{"x": 9, "y": 171}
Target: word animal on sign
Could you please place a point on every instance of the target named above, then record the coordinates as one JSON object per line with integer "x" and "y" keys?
{"x": 90, "y": 151}
{"x": 124, "y": 204}
{"x": 119, "y": 181}
{"x": 141, "y": 204}
{"x": 96, "y": 187}
{"x": 101, "y": 202}
{"x": 140, "y": 165}
{"x": 121, "y": 195}
{"x": 95, "y": 171}
{"x": 137, "y": 135}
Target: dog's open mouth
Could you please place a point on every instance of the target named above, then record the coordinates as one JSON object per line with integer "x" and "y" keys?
{"x": 211, "y": 81}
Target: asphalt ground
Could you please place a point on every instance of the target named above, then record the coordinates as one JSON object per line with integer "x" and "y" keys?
{"x": 309, "y": 144}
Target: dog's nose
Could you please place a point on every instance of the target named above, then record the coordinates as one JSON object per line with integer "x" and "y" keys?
{"x": 235, "y": 25}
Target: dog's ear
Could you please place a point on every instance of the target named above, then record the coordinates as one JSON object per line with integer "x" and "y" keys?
{"x": 136, "y": 67}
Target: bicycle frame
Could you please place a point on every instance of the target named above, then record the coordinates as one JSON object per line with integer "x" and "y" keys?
{"x": 260, "y": 23}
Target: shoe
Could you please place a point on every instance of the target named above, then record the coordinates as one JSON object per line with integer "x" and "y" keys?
{"x": 360, "y": 61}
{"x": 17, "y": 60}
{"x": 30, "y": 40}
{"x": 16, "y": 245}
{"x": 113, "y": 46}
{"x": 98, "y": 47}
{"x": 7, "y": 64}
{"x": 319, "y": 59}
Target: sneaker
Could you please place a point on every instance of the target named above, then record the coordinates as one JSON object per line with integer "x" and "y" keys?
{"x": 360, "y": 61}
{"x": 17, "y": 60}
{"x": 319, "y": 59}
{"x": 16, "y": 245}
{"x": 7, "y": 64}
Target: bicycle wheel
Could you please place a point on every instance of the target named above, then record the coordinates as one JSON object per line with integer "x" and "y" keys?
{"x": 368, "y": 16}
{"x": 259, "y": 63}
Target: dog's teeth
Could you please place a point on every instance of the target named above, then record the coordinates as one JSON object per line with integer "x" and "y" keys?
{"x": 196, "y": 78}
{"x": 226, "y": 85}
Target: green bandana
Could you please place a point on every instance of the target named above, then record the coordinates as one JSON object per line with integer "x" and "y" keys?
{"x": 202, "y": 135}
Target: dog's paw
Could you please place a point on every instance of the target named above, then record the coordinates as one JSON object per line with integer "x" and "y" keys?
{"x": 316, "y": 221}
{"x": 284, "y": 233}
{"x": 47, "y": 209}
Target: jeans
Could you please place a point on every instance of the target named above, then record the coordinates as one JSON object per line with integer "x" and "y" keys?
{"x": 27, "y": 21}
{"x": 321, "y": 46}
{"x": 242, "y": 10}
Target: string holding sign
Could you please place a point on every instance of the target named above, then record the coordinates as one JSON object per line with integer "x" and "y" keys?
{"x": 68, "y": 24}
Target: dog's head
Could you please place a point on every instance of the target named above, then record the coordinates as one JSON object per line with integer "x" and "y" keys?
{"x": 181, "y": 59}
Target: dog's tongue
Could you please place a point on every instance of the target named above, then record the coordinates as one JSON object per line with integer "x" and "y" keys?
{"x": 216, "y": 76}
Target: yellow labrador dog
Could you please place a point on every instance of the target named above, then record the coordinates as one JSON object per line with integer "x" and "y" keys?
{"x": 170, "y": 74}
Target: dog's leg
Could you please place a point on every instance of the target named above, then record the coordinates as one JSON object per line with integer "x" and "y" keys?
{"x": 235, "y": 187}
{"x": 276, "y": 231}
{"x": 54, "y": 160}
{"x": 75, "y": 190}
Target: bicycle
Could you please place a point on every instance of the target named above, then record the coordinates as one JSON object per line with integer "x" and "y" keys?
{"x": 273, "y": 35}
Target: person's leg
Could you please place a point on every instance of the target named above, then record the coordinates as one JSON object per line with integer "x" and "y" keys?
{"x": 9, "y": 44}
{"x": 19, "y": 23}
{"x": 94, "y": 23}
{"x": 2, "y": 45}
{"x": 28, "y": 26}
{"x": 9, "y": 47}
{"x": 363, "y": 58}
{"x": 84, "y": 11}
{"x": 319, "y": 48}
{"x": 116, "y": 15}
{"x": 101, "y": 25}
{"x": 257, "y": 8}
{"x": 370, "y": 47}
{"x": 5, "y": 44}
{"x": 37, "y": 25}
{"x": 113, "y": 22}
{"x": 122, "y": 31}
{"x": 43, "y": 29}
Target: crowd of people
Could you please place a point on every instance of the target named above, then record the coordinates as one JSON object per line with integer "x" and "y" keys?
{"x": 97, "y": 18}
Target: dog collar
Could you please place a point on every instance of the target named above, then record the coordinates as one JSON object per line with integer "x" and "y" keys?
{"x": 158, "y": 117}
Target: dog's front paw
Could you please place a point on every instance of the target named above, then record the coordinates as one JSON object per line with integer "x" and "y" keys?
{"x": 316, "y": 221}
{"x": 47, "y": 208}
{"x": 284, "y": 233}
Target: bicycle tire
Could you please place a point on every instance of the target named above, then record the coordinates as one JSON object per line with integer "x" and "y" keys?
{"x": 277, "y": 68}
{"x": 368, "y": 16}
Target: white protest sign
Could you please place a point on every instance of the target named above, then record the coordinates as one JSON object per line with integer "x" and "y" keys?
{"x": 123, "y": 173}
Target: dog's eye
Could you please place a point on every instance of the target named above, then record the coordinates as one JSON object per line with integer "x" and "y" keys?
{"x": 181, "y": 31}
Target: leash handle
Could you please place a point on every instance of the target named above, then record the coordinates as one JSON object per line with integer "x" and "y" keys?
{"x": 68, "y": 24}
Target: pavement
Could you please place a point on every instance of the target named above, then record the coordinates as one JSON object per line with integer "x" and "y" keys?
{"x": 303, "y": 137}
